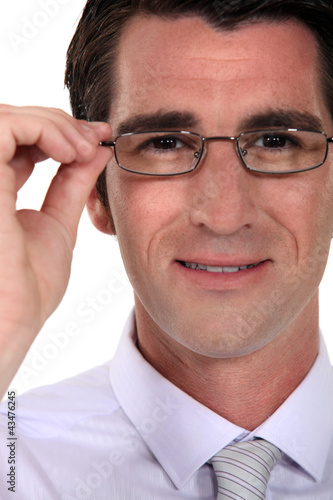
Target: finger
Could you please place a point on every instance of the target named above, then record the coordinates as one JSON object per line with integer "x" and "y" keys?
{"x": 24, "y": 162}
{"x": 57, "y": 135}
{"x": 71, "y": 128}
{"x": 34, "y": 131}
{"x": 70, "y": 189}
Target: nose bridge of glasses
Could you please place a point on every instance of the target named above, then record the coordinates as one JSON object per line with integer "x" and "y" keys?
{"x": 220, "y": 138}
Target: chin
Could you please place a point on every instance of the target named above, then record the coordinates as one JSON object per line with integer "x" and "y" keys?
{"x": 217, "y": 342}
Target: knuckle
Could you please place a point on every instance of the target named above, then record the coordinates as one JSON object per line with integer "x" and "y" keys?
{"x": 4, "y": 118}
{"x": 56, "y": 110}
{"x": 60, "y": 113}
{"x": 6, "y": 107}
{"x": 5, "y": 113}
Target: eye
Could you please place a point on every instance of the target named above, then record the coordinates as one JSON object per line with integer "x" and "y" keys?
{"x": 274, "y": 141}
{"x": 165, "y": 143}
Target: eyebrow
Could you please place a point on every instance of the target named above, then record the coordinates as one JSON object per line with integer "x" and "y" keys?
{"x": 282, "y": 118}
{"x": 160, "y": 120}
{"x": 176, "y": 120}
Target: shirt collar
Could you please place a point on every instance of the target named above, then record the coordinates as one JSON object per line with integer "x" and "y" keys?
{"x": 302, "y": 427}
{"x": 183, "y": 434}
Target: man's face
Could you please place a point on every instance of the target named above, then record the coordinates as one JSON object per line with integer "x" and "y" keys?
{"x": 220, "y": 83}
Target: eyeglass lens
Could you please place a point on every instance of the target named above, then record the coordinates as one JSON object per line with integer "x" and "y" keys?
{"x": 169, "y": 153}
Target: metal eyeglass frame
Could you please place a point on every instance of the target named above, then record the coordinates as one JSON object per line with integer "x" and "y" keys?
{"x": 201, "y": 154}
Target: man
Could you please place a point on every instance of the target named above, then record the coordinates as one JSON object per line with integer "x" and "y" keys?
{"x": 221, "y": 124}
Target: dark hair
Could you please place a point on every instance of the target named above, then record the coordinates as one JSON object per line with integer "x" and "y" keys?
{"x": 90, "y": 72}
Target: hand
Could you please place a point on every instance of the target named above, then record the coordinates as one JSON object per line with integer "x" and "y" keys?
{"x": 36, "y": 246}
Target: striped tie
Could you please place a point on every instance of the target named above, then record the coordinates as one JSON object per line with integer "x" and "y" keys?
{"x": 243, "y": 469}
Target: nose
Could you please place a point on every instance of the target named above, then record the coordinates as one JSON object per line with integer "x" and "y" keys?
{"x": 222, "y": 194}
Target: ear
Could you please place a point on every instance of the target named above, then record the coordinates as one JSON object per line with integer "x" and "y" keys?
{"x": 99, "y": 214}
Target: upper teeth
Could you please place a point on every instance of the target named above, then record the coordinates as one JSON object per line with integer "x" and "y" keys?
{"x": 219, "y": 269}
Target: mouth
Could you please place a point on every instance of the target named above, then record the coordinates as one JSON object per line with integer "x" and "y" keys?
{"x": 218, "y": 269}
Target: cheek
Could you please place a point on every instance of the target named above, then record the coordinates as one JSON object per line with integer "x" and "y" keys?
{"x": 143, "y": 208}
{"x": 303, "y": 206}
{"x": 315, "y": 209}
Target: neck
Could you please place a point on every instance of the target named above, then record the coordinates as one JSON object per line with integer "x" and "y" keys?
{"x": 244, "y": 390}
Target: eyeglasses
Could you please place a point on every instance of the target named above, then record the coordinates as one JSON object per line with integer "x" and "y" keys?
{"x": 271, "y": 151}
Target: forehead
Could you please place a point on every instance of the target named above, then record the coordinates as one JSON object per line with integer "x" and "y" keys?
{"x": 186, "y": 65}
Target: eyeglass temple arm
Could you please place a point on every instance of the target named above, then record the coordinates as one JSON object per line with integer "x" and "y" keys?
{"x": 112, "y": 143}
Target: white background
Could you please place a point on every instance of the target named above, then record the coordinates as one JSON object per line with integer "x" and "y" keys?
{"x": 85, "y": 329}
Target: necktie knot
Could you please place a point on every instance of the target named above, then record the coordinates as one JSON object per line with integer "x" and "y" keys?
{"x": 243, "y": 469}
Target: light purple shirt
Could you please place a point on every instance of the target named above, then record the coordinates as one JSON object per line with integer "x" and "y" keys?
{"x": 123, "y": 432}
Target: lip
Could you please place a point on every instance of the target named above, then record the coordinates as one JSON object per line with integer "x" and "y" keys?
{"x": 223, "y": 281}
{"x": 223, "y": 261}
